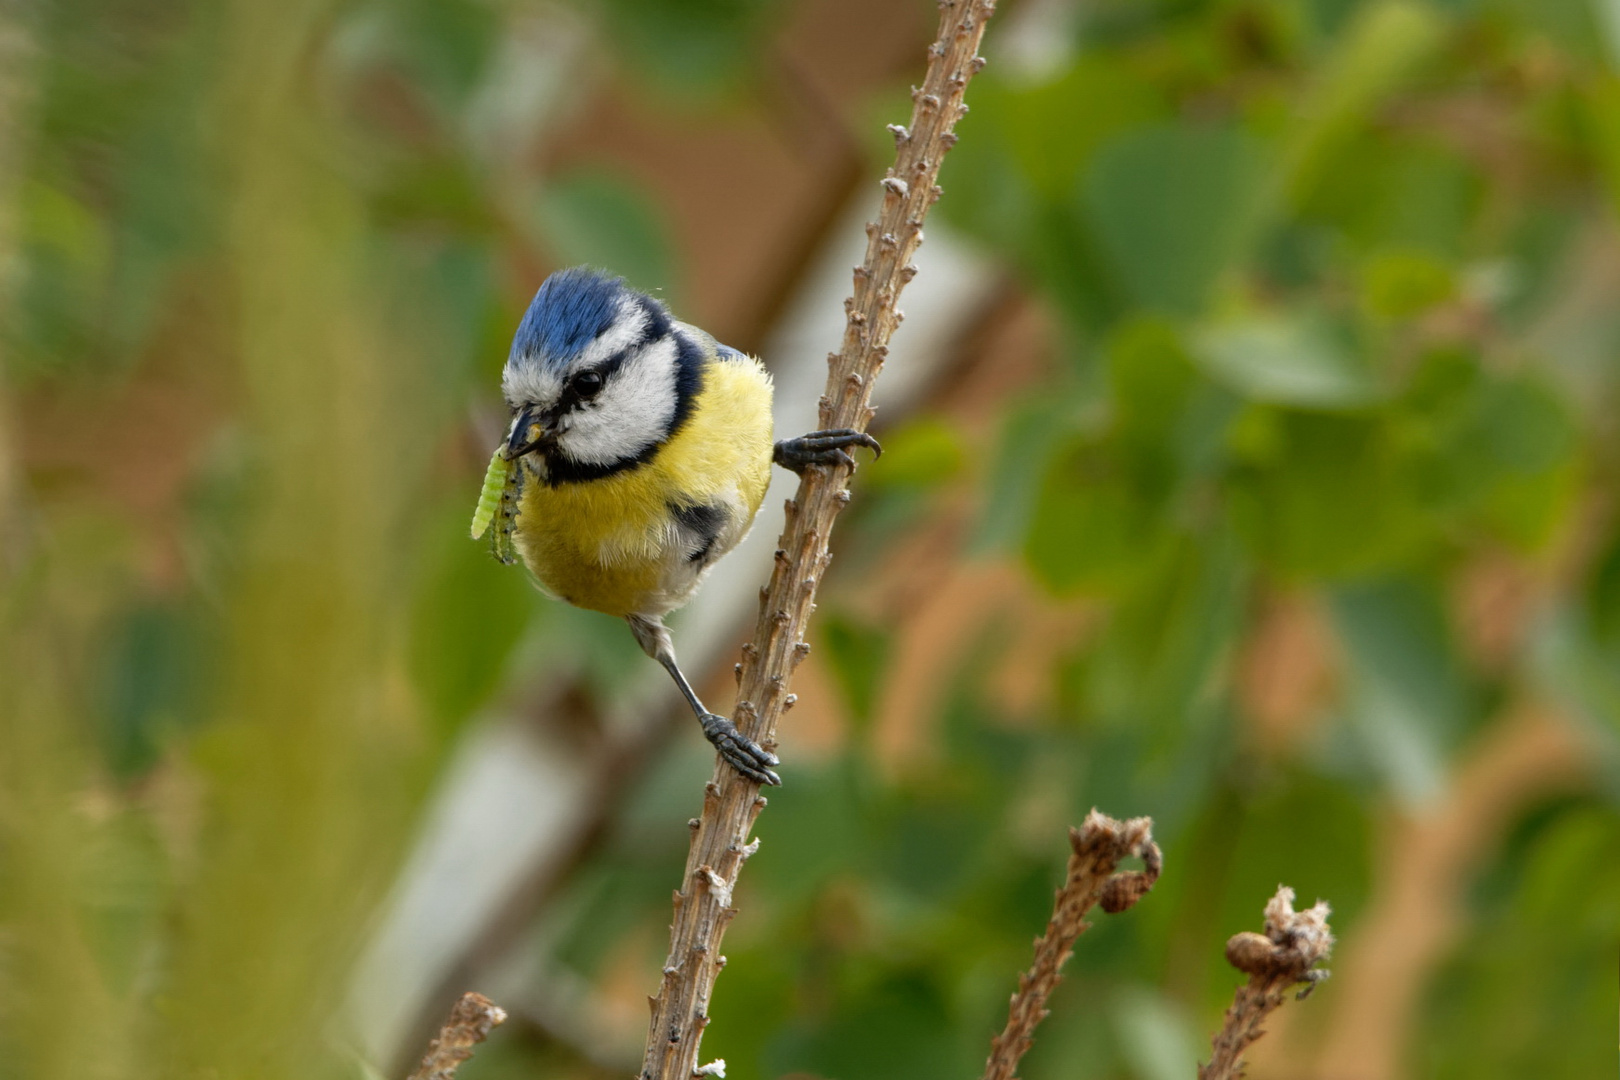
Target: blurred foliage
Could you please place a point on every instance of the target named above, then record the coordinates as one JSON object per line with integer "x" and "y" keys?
{"x": 1333, "y": 284}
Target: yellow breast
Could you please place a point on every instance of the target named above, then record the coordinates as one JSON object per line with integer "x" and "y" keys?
{"x": 612, "y": 544}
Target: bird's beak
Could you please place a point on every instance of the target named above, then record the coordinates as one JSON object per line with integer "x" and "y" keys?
{"x": 528, "y": 432}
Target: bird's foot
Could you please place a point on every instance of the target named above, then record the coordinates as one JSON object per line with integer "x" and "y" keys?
{"x": 822, "y": 448}
{"x": 740, "y": 752}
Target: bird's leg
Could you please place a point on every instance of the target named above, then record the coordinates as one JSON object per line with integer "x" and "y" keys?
{"x": 830, "y": 447}
{"x": 740, "y": 752}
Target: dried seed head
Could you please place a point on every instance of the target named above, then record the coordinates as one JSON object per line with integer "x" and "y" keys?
{"x": 1251, "y": 953}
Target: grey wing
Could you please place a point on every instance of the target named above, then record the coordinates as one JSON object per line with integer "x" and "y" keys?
{"x": 721, "y": 351}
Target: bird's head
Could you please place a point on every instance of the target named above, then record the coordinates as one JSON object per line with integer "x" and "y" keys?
{"x": 599, "y": 376}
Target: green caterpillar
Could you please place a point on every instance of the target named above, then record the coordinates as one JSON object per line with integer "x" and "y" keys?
{"x": 497, "y": 504}
{"x": 489, "y": 498}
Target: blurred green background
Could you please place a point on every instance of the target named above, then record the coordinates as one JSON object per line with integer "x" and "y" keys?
{"x": 1268, "y": 490}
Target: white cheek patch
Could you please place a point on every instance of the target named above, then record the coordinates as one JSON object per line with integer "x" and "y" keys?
{"x": 633, "y": 411}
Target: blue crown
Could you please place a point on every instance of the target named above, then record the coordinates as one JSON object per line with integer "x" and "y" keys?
{"x": 572, "y": 309}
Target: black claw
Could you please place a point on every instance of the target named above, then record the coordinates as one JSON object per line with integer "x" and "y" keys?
{"x": 741, "y": 752}
{"x": 828, "y": 447}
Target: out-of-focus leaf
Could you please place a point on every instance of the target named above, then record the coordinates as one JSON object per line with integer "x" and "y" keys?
{"x": 1570, "y": 653}
{"x": 435, "y": 193}
{"x": 1400, "y": 284}
{"x": 1324, "y": 494}
{"x": 1022, "y": 119}
{"x": 1409, "y": 702}
{"x": 1523, "y": 426}
{"x": 915, "y": 1040}
{"x": 922, "y": 453}
{"x": 933, "y": 843}
{"x": 1029, "y": 436}
{"x": 153, "y": 684}
{"x": 1533, "y": 944}
{"x": 1519, "y": 442}
{"x": 1151, "y": 377}
{"x": 1173, "y": 207}
{"x": 699, "y": 47}
{"x": 595, "y": 217}
{"x": 1399, "y": 195}
{"x": 1155, "y": 1036}
{"x": 447, "y": 43}
{"x": 466, "y": 619}
{"x": 1602, "y": 597}
{"x": 820, "y": 833}
{"x": 1586, "y": 31}
{"x": 1602, "y": 115}
{"x": 1090, "y": 528}
{"x": 1067, "y": 256}
{"x": 67, "y": 254}
{"x": 1379, "y": 49}
{"x": 1286, "y": 361}
{"x": 126, "y": 878}
{"x": 859, "y": 656}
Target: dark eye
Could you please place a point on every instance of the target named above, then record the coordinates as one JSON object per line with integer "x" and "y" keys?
{"x": 587, "y": 383}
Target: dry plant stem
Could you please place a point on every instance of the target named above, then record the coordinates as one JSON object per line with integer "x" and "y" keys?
{"x": 470, "y": 1023}
{"x": 1099, "y": 844}
{"x": 1283, "y": 957}
{"x": 720, "y": 837}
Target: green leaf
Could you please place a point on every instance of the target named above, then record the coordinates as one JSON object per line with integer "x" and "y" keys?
{"x": 1090, "y": 529}
{"x": 1524, "y": 426}
{"x": 1409, "y": 702}
{"x": 1525, "y": 977}
{"x": 1286, "y": 360}
{"x": 1320, "y": 494}
{"x": 465, "y": 619}
{"x": 1520, "y": 447}
{"x": 1051, "y": 129}
{"x": 921, "y": 453}
{"x": 697, "y": 46}
{"x": 1382, "y": 47}
{"x": 1399, "y": 284}
{"x": 1031, "y": 433}
{"x": 1173, "y": 208}
{"x": 595, "y": 217}
{"x": 154, "y": 682}
{"x": 1156, "y": 1035}
{"x": 859, "y": 656}
{"x": 1151, "y": 377}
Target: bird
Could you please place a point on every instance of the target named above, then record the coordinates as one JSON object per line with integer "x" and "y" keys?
{"x": 638, "y": 454}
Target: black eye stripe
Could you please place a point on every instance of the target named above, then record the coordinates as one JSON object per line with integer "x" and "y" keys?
{"x": 571, "y": 396}
{"x": 575, "y": 393}
{"x": 612, "y": 364}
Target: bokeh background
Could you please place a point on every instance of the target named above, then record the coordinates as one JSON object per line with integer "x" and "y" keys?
{"x": 1251, "y": 460}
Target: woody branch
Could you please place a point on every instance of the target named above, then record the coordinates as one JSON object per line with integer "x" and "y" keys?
{"x": 720, "y": 836}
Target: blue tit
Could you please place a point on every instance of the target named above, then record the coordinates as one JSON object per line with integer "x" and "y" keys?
{"x": 639, "y": 452}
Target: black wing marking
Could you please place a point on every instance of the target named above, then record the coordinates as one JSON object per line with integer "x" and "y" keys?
{"x": 703, "y": 525}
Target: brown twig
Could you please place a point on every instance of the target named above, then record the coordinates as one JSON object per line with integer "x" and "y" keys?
{"x": 470, "y": 1023}
{"x": 1276, "y": 961}
{"x": 1100, "y": 843}
{"x": 731, "y": 803}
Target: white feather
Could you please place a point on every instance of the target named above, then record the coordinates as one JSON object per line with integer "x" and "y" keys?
{"x": 633, "y": 410}
{"x": 530, "y": 383}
